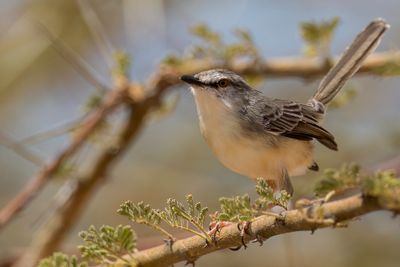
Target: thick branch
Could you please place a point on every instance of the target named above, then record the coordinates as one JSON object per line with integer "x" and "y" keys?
{"x": 263, "y": 227}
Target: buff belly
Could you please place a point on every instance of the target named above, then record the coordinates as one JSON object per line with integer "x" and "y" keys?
{"x": 253, "y": 156}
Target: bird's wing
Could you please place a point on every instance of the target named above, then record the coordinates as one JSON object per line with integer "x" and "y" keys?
{"x": 290, "y": 119}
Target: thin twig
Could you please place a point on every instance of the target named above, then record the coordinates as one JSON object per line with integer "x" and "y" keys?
{"x": 20, "y": 149}
{"x": 54, "y": 131}
{"x": 78, "y": 63}
{"x": 297, "y": 67}
{"x": 112, "y": 99}
{"x": 94, "y": 25}
{"x": 53, "y": 232}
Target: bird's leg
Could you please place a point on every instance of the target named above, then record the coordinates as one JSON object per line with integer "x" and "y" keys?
{"x": 283, "y": 183}
{"x": 286, "y": 184}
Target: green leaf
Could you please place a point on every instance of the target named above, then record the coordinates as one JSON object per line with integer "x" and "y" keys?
{"x": 243, "y": 35}
{"x": 189, "y": 218}
{"x": 143, "y": 214}
{"x": 139, "y": 212}
{"x": 235, "y": 209}
{"x": 122, "y": 63}
{"x": 391, "y": 68}
{"x": 172, "y": 60}
{"x": 206, "y": 34}
{"x": 268, "y": 198}
{"x": 345, "y": 96}
{"x": 318, "y": 36}
{"x": 385, "y": 186}
{"x": 348, "y": 176}
{"x": 108, "y": 243}
{"x": 61, "y": 260}
{"x": 93, "y": 102}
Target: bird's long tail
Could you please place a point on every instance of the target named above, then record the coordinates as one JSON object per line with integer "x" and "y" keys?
{"x": 348, "y": 64}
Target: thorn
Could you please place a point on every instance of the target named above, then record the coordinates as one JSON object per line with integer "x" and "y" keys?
{"x": 206, "y": 244}
{"x": 340, "y": 225}
{"x": 243, "y": 243}
{"x": 313, "y": 231}
{"x": 169, "y": 242}
{"x": 235, "y": 248}
{"x": 216, "y": 229}
{"x": 244, "y": 228}
{"x": 259, "y": 240}
{"x": 192, "y": 262}
{"x": 280, "y": 220}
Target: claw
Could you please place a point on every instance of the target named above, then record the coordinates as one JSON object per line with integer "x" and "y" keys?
{"x": 258, "y": 239}
{"x": 169, "y": 242}
{"x": 192, "y": 262}
{"x": 235, "y": 248}
{"x": 206, "y": 244}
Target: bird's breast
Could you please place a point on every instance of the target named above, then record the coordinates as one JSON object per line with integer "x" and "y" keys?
{"x": 248, "y": 154}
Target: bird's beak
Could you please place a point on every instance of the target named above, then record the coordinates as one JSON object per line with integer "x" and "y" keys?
{"x": 191, "y": 80}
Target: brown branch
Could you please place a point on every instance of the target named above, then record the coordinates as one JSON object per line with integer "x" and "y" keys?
{"x": 112, "y": 99}
{"x": 297, "y": 67}
{"x": 69, "y": 55}
{"x": 80, "y": 190}
{"x": 19, "y": 149}
{"x": 263, "y": 227}
{"x": 301, "y": 67}
{"x": 101, "y": 39}
{"x": 53, "y": 131}
{"x": 53, "y": 232}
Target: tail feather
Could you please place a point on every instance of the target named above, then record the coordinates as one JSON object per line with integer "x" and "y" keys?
{"x": 348, "y": 64}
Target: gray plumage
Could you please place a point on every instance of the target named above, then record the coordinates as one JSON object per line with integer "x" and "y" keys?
{"x": 259, "y": 136}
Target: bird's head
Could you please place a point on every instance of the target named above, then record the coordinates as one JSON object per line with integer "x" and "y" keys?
{"x": 221, "y": 83}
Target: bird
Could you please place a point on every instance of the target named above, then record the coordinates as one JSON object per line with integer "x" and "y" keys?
{"x": 258, "y": 136}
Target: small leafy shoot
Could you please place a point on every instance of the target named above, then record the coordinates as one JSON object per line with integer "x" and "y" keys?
{"x": 107, "y": 244}
{"x": 267, "y": 198}
{"x": 348, "y": 176}
{"x": 384, "y": 186}
{"x": 61, "y": 260}
{"x": 235, "y": 209}
{"x": 143, "y": 214}
{"x": 190, "y": 218}
{"x": 318, "y": 36}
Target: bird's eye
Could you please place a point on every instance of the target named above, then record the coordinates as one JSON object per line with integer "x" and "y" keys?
{"x": 223, "y": 83}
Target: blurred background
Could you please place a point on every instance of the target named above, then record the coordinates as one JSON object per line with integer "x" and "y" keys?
{"x": 40, "y": 90}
